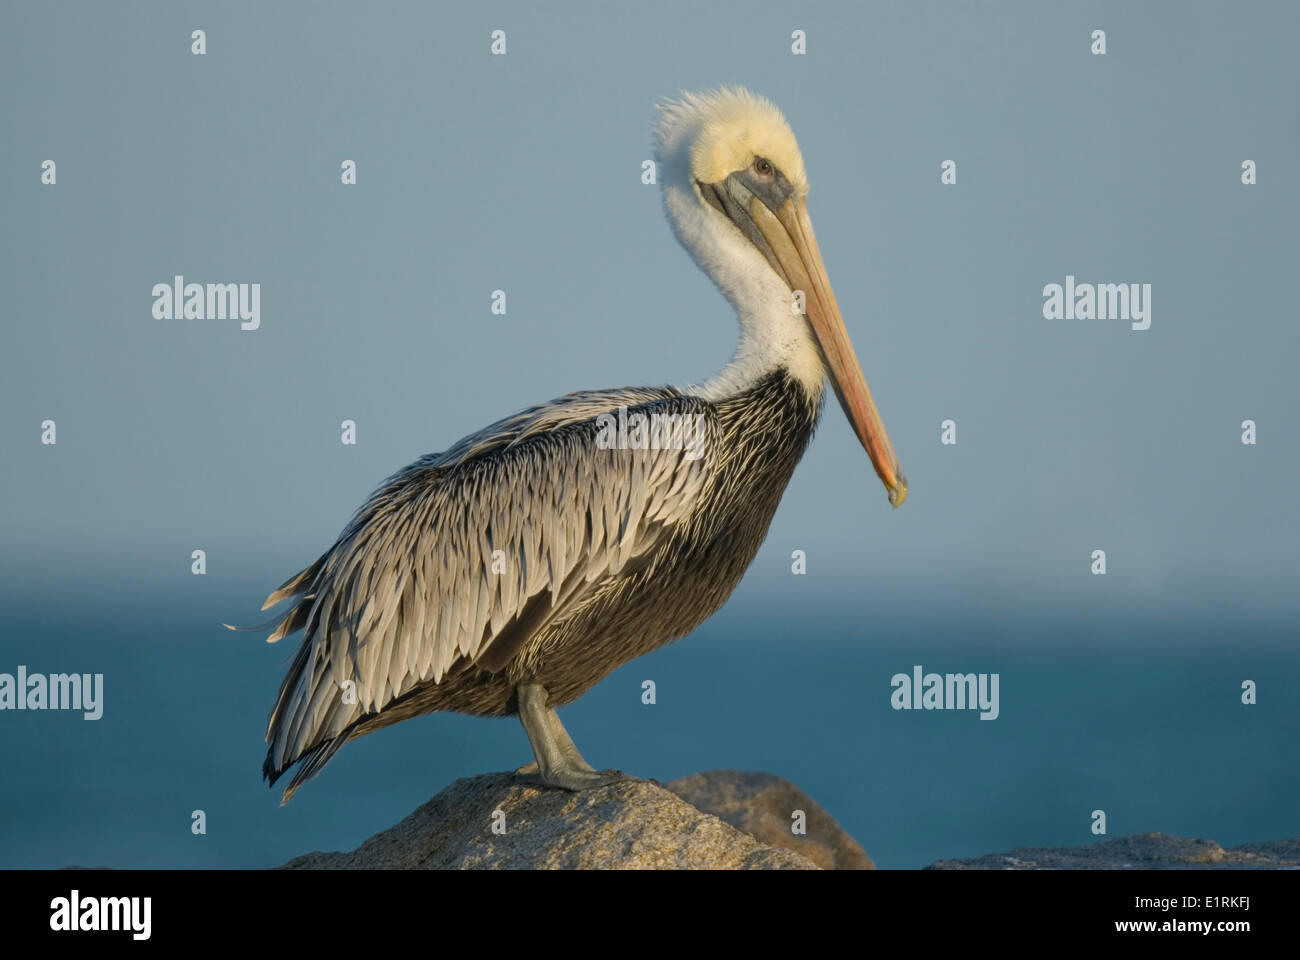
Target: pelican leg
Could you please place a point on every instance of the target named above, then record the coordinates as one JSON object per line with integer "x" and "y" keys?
{"x": 558, "y": 763}
{"x": 565, "y": 744}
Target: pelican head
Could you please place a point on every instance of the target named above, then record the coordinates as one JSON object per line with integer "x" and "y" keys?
{"x": 736, "y": 193}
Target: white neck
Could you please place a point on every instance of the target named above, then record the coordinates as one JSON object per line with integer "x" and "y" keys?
{"x": 772, "y": 335}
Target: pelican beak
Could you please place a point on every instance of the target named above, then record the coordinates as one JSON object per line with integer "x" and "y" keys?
{"x": 793, "y": 246}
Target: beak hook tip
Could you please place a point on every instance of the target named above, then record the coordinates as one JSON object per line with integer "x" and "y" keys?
{"x": 898, "y": 492}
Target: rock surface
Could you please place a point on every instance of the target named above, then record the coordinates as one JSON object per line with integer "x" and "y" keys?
{"x": 636, "y": 824}
{"x": 761, "y": 805}
{"x": 719, "y": 820}
{"x": 1143, "y": 851}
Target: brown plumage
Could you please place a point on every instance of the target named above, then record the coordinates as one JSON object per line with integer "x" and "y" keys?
{"x": 641, "y": 569}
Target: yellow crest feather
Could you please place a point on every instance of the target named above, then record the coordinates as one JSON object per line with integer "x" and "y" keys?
{"x": 730, "y": 127}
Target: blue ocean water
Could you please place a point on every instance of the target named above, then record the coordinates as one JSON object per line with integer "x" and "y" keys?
{"x": 1134, "y": 715}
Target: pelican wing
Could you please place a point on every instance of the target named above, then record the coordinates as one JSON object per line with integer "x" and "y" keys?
{"x": 463, "y": 555}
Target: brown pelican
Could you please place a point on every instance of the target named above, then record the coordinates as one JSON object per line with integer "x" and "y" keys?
{"x": 512, "y": 572}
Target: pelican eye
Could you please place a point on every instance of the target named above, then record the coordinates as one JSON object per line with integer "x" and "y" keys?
{"x": 763, "y": 167}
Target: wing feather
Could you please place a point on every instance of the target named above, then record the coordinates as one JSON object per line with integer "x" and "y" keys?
{"x": 411, "y": 588}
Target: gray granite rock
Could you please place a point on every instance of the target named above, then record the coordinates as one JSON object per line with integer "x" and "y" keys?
{"x": 762, "y": 805}
{"x": 1143, "y": 851}
{"x": 635, "y": 824}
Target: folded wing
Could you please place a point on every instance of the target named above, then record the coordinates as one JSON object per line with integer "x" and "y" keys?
{"x": 461, "y": 556}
